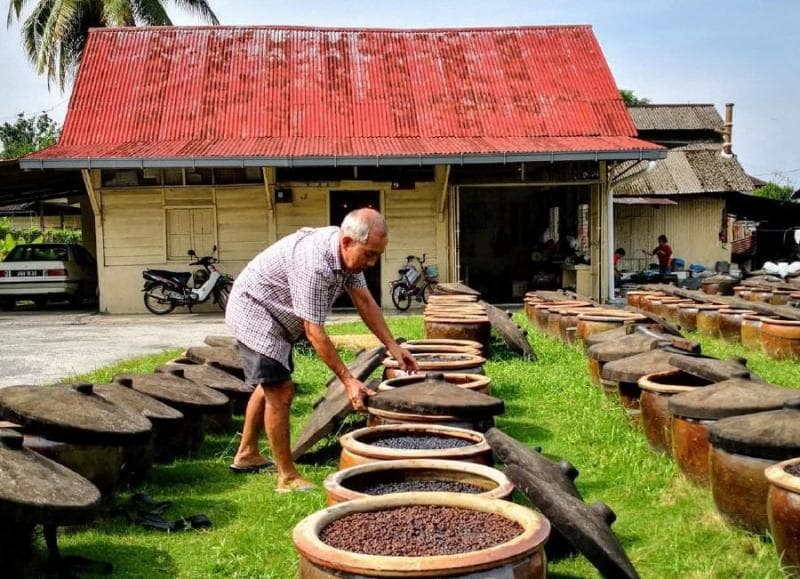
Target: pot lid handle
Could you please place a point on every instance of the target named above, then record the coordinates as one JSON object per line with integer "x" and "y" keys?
{"x": 83, "y": 388}
{"x": 11, "y": 439}
{"x": 792, "y": 404}
{"x": 435, "y": 376}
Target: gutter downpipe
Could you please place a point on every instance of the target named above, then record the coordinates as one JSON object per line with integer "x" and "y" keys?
{"x": 651, "y": 165}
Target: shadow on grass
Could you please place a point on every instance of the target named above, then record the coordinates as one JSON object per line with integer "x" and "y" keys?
{"x": 524, "y": 430}
{"x": 128, "y": 560}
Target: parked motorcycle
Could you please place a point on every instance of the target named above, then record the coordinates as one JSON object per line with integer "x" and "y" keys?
{"x": 413, "y": 282}
{"x": 165, "y": 290}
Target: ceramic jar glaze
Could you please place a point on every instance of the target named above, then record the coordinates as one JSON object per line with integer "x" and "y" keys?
{"x": 781, "y": 338}
{"x": 783, "y": 511}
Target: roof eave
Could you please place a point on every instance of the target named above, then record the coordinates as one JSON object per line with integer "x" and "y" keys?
{"x": 324, "y": 161}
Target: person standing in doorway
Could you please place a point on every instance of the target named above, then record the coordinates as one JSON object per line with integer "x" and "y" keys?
{"x": 663, "y": 253}
{"x": 287, "y": 291}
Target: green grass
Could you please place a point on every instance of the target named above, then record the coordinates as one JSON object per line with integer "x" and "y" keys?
{"x": 668, "y": 527}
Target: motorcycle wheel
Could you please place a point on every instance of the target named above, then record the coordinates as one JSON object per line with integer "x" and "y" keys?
{"x": 222, "y": 295}
{"x": 401, "y": 298}
{"x": 156, "y": 301}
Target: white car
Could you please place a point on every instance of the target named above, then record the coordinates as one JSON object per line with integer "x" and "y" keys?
{"x": 42, "y": 271}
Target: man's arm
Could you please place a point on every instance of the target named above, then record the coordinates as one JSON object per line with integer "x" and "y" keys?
{"x": 356, "y": 390}
{"x": 373, "y": 318}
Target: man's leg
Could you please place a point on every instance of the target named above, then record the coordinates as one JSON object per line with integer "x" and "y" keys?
{"x": 279, "y": 398}
{"x": 249, "y": 453}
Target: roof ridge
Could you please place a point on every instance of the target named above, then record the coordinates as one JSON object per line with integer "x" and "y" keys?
{"x": 675, "y": 105}
{"x": 119, "y": 29}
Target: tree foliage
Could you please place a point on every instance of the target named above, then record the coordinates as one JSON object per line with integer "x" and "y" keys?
{"x": 55, "y": 32}
{"x": 27, "y": 134}
{"x": 630, "y": 98}
{"x": 775, "y": 191}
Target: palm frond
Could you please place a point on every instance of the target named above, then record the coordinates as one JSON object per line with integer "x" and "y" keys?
{"x": 118, "y": 13}
{"x": 151, "y": 12}
{"x": 199, "y": 8}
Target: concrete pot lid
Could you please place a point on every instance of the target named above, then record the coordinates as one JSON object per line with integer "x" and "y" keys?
{"x": 711, "y": 369}
{"x": 72, "y": 413}
{"x": 208, "y": 375}
{"x": 634, "y": 367}
{"x": 226, "y": 358}
{"x": 624, "y": 347}
{"x": 437, "y": 360}
{"x": 182, "y": 394}
{"x": 773, "y": 435}
{"x": 138, "y": 402}
{"x": 608, "y": 335}
{"x": 436, "y": 396}
{"x": 585, "y": 527}
{"x": 35, "y": 489}
{"x": 733, "y": 397}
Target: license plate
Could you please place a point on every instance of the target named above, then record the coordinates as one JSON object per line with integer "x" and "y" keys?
{"x": 26, "y": 273}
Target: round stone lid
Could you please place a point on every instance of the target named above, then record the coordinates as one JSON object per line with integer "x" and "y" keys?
{"x": 227, "y": 359}
{"x": 609, "y": 335}
{"x": 35, "y": 489}
{"x": 713, "y": 369}
{"x": 625, "y": 347}
{"x": 441, "y": 360}
{"x": 137, "y": 402}
{"x": 210, "y": 376}
{"x": 733, "y": 397}
{"x": 185, "y": 395}
{"x": 773, "y": 435}
{"x": 632, "y": 368}
{"x": 435, "y": 396}
{"x": 72, "y": 413}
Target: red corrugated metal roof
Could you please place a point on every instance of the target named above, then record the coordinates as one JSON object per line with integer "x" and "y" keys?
{"x": 287, "y": 92}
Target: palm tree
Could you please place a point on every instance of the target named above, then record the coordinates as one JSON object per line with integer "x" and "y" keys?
{"x": 55, "y": 32}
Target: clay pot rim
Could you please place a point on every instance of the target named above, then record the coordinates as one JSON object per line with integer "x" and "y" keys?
{"x": 757, "y": 317}
{"x": 736, "y": 311}
{"x": 711, "y": 307}
{"x": 646, "y": 383}
{"x": 441, "y": 349}
{"x": 445, "y": 342}
{"x": 688, "y": 306}
{"x": 781, "y": 322}
{"x": 777, "y": 475}
{"x": 414, "y": 418}
{"x": 462, "y": 319}
{"x": 604, "y": 317}
{"x": 351, "y": 442}
{"x": 470, "y": 381}
{"x": 466, "y": 361}
{"x": 536, "y": 529}
{"x": 334, "y": 482}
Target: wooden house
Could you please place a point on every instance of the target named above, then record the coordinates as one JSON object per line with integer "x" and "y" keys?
{"x": 488, "y": 150}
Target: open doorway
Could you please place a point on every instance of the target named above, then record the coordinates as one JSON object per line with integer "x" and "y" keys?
{"x": 342, "y": 203}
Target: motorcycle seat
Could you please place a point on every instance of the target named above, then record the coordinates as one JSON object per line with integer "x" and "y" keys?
{"x": 179, "y": 276}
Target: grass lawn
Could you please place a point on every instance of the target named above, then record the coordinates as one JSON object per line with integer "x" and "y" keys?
{"x": 668, "y": 527}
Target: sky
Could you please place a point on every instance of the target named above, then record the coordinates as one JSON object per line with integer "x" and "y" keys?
{"x": 671, "y": 51}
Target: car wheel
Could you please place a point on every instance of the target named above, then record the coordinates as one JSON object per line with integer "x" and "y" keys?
{"x": 7, "y": 304}
{"x": 40, "y": 301}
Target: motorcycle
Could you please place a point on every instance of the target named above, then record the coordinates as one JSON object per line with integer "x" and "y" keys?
{"x": 413, "y": 282}
{"x": 165, "y": 290}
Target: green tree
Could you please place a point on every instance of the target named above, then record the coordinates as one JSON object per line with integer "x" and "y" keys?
{"x": 775, "y": 191}
{"x": 55, "y": 31}
{"x": 27, "y": 134}
{"x": 630, "y": 98}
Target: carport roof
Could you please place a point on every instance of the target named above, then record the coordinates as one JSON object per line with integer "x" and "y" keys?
{"x": 18, "y": 186}
{"x": 292, "y": 96}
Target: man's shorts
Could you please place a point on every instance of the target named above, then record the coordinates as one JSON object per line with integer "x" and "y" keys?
{"x": 261, "y": 369}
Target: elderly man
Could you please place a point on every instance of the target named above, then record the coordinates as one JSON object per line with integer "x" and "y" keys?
{"x": 285, "y": 291}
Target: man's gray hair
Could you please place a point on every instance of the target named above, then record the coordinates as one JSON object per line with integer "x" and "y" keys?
{"x": 359, "y": 223}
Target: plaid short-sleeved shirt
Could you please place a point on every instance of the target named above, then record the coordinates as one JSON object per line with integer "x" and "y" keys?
{"x": 297, "y": 278}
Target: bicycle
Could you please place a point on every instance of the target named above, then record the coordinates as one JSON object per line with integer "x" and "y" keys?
{"x": 412, "y": 284}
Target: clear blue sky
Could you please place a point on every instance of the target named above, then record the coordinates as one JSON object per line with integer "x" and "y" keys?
{"x": 672, "y": 51}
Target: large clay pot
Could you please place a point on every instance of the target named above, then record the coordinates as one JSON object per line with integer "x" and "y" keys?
{"x": 783, "y": 510}
{"x": 357, "y": 447}
{"x": 522, "y": 556}
{"x": 601, "y": 321}
{"x": 730, "y": 324}
{"x": 687, "y": 316}
{"x": 634, "y": 297}
{"x": 780, "y": 297}
{"x": 438, "y": 362}
{"x": 646, "y": 300}
{"x": 475, "y": 382}
{"x": 742, "y": 448}
{"x": 708, "y": 319}
{"x": 667, "y": 308}
{"x": 436, "y": 342}
{"x": 742, "y": 291}
{"x": 695, "y": 411}
{"x": 604, "y": 352}
{"x": 760, "y": 295}
{"x": 656, "y": 391}
{"x": 351, "y": 483}
{"x": 719, "y": 285}
{"x": 751, "y": 332}
{"x": 781, "y": 338}
{"x": 474, "y": 327}
{"x": 568, "y": 322}
{"x": 542, "y": 312}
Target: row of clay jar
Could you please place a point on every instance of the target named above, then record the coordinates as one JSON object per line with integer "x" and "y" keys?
{"x": 778, "y": 338}
{"x": 457, "y": 317}
{"x": 738, "y": 436}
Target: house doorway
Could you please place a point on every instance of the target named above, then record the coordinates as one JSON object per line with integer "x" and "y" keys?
{"x": 342, "y": 203}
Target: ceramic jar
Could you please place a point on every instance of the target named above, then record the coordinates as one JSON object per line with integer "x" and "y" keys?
{"x": 657, "y": 389}
{"x": 459, "y": 326}
{"x": 475, "y": 382}
{"x": 751, "y": 332}
{"x": 600, "y": 354}
{"x": 780, "y": 297}
{"x": 438, "y": 362}
{"x": 783, "y": 511}
{"x": 708, "y": 319}
{"x": 354, "y": 482}
{"x": 522, "y": 556}
{"x": 687, "y": 316}
{"x": 760, "y": 295}
{"x": 730, "y": 324}
{"x": 742, "y": 447}
{"x": 695, "y": 411}
{"x": 781, "y": 338}
{"x": 599, "y": 320}
{"x": 742, "y": 292}
{"x": 358, "y": 447}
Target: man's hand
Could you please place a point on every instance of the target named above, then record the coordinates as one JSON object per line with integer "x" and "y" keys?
{"x": 356, "y": 391}
{"x": 405, "y": 359}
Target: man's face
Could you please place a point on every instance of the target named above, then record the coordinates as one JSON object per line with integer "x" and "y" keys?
{"x": 357, "y": 257}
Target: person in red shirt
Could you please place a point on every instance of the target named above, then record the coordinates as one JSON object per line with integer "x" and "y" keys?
{"x": 618, "y": 254}
{"x": 664, "y": 254}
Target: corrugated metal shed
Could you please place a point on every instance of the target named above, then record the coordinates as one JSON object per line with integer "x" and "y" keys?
{"x": 676, "y": 117}
{"x": 693, "y": 169}
{"x": 284, "y": 93}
